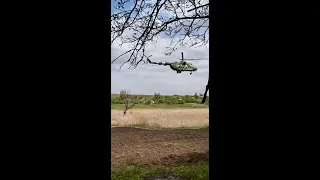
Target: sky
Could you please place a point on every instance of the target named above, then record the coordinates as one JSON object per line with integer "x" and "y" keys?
{"x": 150, "y": 78}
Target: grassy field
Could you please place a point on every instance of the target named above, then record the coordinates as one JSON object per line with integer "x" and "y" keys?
{"x": 161, "y": 118}
{"x": 192, "y": 172}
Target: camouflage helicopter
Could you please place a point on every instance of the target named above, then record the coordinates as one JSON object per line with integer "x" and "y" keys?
{"x": 178, "y": 66}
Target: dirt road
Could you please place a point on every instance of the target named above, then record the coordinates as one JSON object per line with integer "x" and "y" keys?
{"x": 154, "y": 147}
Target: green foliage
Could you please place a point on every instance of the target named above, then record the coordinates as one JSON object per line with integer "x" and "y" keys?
{"x": 123, "y": 97}
{"x": 159, "y": 99}
{"x": 116, "y": 100}
{"x": 190, "y": 171}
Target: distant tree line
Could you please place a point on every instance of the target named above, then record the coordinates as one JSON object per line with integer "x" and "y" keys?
{"x": 158, "y": 99}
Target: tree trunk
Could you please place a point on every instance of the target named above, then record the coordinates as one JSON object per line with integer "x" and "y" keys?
{"x": 205, "y": 93}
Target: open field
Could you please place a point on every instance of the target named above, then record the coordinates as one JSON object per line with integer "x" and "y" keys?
{"x": 162, "y": 118}
{"x": 135, "y": 146}
{"x": 170, "y": 147}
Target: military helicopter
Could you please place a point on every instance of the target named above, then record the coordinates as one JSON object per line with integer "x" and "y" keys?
{"x": 178, "y": 66}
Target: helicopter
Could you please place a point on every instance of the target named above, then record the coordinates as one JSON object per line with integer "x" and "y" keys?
{"x": 178, "y": 66}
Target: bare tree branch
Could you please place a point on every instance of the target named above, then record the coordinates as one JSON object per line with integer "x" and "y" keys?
{"x": 146, "y": 20}
{"x": 198, "y": 7}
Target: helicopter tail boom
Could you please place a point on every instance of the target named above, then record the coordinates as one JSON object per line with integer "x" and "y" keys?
{"x": 159, "y": 63}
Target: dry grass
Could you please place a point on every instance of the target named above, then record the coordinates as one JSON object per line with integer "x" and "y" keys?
{"x": 161, "y": 118}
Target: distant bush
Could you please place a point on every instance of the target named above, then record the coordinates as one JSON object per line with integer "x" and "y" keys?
{"x": 116, "y": 100}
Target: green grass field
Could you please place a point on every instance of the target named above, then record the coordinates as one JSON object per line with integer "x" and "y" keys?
{"x": 192, "y": 172}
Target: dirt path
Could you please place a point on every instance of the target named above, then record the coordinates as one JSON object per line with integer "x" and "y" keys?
{"x": 145, "y": 147}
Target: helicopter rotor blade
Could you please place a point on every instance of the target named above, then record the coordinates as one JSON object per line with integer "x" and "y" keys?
{"x": 195, "y": 59}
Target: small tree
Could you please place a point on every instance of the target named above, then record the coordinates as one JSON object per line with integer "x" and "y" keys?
{"x": 156, "y": 96}
{"x": 196, "y": 95}
{"x": 129, "y": 101}
{"x": 123, "y": 94}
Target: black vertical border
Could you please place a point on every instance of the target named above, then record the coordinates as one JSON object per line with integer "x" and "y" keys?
{"x": 216, "y": 75}
{"x": 60, "y": 90}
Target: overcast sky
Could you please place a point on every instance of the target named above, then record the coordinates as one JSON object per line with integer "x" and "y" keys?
{"x": 150, "y": 78}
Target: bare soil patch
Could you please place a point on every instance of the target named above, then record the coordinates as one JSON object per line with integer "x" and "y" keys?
{"x": 134, "y": 146}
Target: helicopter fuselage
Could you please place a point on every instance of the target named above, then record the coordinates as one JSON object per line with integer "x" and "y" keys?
{"x": 177, "y": 66}
{"x": 182, "y": 66}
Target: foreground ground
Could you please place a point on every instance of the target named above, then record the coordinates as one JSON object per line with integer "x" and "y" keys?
{"x": 134, "y": 146}
{"x": 163, "y": 144}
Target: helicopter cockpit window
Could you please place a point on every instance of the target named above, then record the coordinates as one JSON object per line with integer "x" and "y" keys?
{"x": 184, "y": 63}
